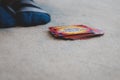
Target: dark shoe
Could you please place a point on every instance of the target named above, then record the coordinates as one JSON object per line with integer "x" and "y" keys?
{"x": 28, "y": 13}
{"x": 7, "y": 19}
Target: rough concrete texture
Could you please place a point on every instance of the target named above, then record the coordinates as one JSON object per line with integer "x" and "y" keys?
{"x": 33, "y": 54}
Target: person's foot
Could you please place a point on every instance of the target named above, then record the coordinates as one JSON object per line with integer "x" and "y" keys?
{"x": 28, "y": 13}
{"x": 7, "y": 19}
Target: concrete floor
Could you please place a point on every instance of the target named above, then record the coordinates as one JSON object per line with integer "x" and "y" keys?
{"x": 33, "y": 54}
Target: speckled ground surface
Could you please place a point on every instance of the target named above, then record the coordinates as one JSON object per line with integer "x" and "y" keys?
{"x": 33, "y": 54}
